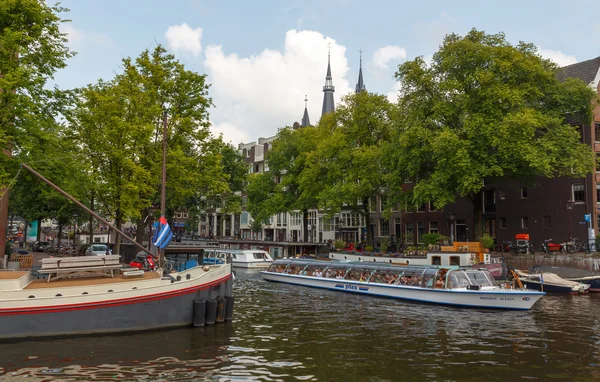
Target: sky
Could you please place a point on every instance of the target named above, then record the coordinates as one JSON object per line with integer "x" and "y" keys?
{"x": 263, "y": 57}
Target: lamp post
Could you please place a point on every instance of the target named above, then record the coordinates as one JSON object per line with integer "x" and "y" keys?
{"x": 569, "y": 204}
{"x": 452, "y": 217}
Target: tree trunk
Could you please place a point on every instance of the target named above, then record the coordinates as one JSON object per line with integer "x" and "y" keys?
{"x": 60, "y": 228}
{"x": 478, "y": 220}
{"x": 140, "y": 232}
{"x": 305, "y": 226}
{"x": 367, "y": 214}
{"x": 91, "y": 221}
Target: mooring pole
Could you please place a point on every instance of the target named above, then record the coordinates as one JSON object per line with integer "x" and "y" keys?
{"x": 54, "y": 186}
{"x": 163, "y": 189}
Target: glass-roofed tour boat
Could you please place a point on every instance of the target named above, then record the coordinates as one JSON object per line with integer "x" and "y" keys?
{"x": 432, "y": 284}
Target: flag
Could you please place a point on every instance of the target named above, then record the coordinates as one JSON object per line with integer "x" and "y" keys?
{"x": 163, "y": 234}
{"x": 542, "y": 278}
{"x": 155, "y": 234}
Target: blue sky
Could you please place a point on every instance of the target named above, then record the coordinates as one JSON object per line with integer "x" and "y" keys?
{"x": 263, "y": 57}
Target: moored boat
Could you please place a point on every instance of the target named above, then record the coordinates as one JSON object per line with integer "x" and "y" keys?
{"x": 31, "y": 307}
{"x": 550, "y": 282}
{"x": 241, "y": 258}
{"x": 572, "y": 274}
{"x": 432, "y": 284}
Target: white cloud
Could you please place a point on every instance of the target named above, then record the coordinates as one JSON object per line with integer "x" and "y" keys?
{"x": 431, "y": 33}
{"x": 383, "y": 56}
{"x": 256, "y": 95}
{"x": 392, "y": 95}
{"x": 78, "y": 38}
{"x": 230, "y": 133}
{"x": 557, "y": 56}
{"x": 182, "y": 38}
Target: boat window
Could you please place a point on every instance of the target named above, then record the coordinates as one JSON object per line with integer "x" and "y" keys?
{"x": 481, "y": 278}
{"x": 384, "y": 276}
{"x": 317, "y": 270}
{"x": 458, "y": 279}
{"x": 234, "y": 256}
{"x": 278, "y": 268}
{"x": 359, "y": 274}
{"x": 258, "y": 255}
{"x": 455, "y": 260}
{"x": 295, "y": 269}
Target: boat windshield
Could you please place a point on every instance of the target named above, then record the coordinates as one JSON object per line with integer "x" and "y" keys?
{"x": 385, "y": 276}
{"x": 481, "y": 278}
{"x": 458, "y": 279}
{"x": 277, "y": 267}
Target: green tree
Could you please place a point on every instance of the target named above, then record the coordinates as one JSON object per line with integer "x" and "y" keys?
{"x": 32, "y": 49}
{"x": 483, "y": 109}
{"x": 346, "y": 165}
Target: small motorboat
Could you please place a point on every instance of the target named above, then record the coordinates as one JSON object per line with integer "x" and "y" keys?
{"x": 572, "y": 274}
{"x": 550, "y": 282}
{"x": 240, "y": 258}
{"x": 445, "y": 285}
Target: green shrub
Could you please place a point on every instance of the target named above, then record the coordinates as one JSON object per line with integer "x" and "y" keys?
{"x": 487, "y": 241}
{"x": 385, "y": 243}
{"x": 369, "y": 248}
{"x": 431, "y": 239}
{"x": 339, "y": 244}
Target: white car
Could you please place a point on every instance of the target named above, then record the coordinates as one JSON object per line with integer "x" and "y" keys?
{"x": 97, "y": 250}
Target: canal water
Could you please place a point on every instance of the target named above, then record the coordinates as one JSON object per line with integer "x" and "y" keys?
{"x": 290, "y": 333}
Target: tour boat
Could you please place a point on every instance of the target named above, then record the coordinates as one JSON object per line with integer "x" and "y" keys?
{"x": 241, "y": 258}
{"x": 432, "y": 284}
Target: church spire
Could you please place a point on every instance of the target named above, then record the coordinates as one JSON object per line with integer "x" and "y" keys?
{"x": 305, "y": 120}
{"x": 360, "y": 86}
{"x": 328, "y": 90}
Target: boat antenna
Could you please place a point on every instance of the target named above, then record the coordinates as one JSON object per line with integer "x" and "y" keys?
{"x": 81, "y": 205}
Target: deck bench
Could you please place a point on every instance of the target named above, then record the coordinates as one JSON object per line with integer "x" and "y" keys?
{"x": 67, "y": 266}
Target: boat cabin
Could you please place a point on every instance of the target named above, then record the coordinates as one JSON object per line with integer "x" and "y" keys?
{"x": 450, "y": 277}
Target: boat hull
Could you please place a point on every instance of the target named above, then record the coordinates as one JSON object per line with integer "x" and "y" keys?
{"x": 592, "y": 281}
{"x": 549, "y": 288}
{"x": 166, "y": 304}
{"x": 508, "y": 299}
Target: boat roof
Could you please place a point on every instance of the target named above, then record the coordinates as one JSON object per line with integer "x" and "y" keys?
{"x": 361, "y": 265}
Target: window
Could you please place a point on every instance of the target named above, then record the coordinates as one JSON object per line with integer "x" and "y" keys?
{"x": 178, "y": 215}
{"x": 410, "y": 233}
{"x": 244, "y": 218}
{"x": 523, "y": 192}
{"x": 421, "y": 207}
{"x": 420, "y": 231}
{"x": 433, "y": 227}
{"x": 247, "y": 153}
{"x": 502, "y": 223}
{"x": 296, "y": 218}
{"x": 547, "y": 224}
{"x": 244, "y": 201}
{"x": 524, "y": 222}
{"x": 384, "y": 227}
{"x": 455, "y": 260}
{"x": 598, "y": 193}
{"x": 431, "y": 207}
{"x": 597, "y": 131}
{"x": 578, "y": 193}
{"x": 502, "y": 194}
{"x": 436, "y": 260}
{"x": 382, "y": 202}
{"x": 185, "y": 215}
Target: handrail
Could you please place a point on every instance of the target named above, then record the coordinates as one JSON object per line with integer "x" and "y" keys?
{"x": 517, "y": 278}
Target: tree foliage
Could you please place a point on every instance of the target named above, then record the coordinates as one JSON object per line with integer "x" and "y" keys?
{"x": 347, "y": 162}
{"x": 484, "y": 108}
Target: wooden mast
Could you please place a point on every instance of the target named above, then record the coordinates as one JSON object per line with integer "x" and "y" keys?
{"x": 81, "y": 205}
{"x": 161, "y": 252}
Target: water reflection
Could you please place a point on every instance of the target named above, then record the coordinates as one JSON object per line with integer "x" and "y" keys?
{"x": 284, "y": 332}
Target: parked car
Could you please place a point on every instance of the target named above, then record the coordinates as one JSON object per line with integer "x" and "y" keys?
{"x": 40, "y": 246}
{"x": 97, "y": 250}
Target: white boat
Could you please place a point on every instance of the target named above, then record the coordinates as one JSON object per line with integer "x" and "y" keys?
{"x": 240, "y": 258}
{"x": 432, "y": 284}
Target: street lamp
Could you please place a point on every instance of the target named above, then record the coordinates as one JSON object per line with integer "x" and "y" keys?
{"x": 569, "y": 204}
{"x": 452, "y": 217}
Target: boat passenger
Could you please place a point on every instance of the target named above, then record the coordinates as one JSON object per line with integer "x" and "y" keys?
{"x": 439, "y": 282}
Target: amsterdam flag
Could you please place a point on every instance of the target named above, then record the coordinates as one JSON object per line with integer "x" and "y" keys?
{"x": 163, "y": 234}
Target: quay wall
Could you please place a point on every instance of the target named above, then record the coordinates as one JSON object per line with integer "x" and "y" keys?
{"x": 579, "y": 261}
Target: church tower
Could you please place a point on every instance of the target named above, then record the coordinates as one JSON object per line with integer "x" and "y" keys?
{"x": 360, "y": 86}
{"x": 328, "y": 90}
{"x": 305, "y": 119}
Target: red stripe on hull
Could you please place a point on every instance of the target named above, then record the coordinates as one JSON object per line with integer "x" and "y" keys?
{"x": 109, "y": 303}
